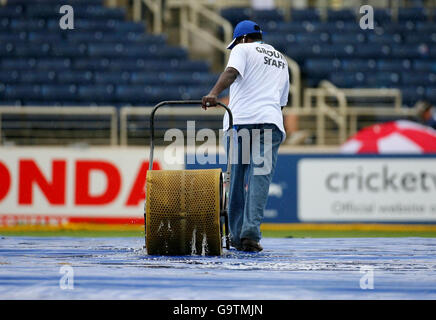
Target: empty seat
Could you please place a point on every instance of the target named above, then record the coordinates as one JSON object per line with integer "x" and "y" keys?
{"x": 262, "y": 17}
{"x": 59, "y": 92}
{"x": 112, "y": 77}
{"x": 382, "y": 15}
{"x": 382, "y": 79}
{"x": 394, "y": 65}
{"x": 68, "y": 50}
{"x": 6, "y": 49}
{"x": 373, "y": 51}
{"x": 34, "y": 51}
{"x": 348, "y": 79}
{"x": 355, "y": 65}
{"x": 352, "y": 38}
{"x": 11, "y": 11}
{"x": 7, "y": 36}
{"x": 305, "y": 15}
{"x": 424, "y": 65}
{"x": 96, "y": 93}
{"x": 418, "y": 78}
{"x": 235, "y": 15}
{"x": 53, "y": 64}
{"x": 19, "y": 91}
{"x": 9, "y": 77}
{"x": 421, "y": 37}
{"x": 343, "y": 15}
{"x": 75, "y": 77}
{"x": 413, "y": 94}
{"x": 410, "y": 51}
{"x": 412, "y": 14}
{"x": 31, "y": 25}
{"x": 37, "y": 77}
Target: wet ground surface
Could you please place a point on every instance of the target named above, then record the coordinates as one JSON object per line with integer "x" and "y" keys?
{"x": 119, "y": 268}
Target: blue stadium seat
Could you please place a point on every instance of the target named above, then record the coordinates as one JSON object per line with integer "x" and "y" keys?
{"x": 75, "y": 77}
{"x": 382, "y": 79}
{"x": 413, "y": 94}
{"x": 11, "y": 11}
{"x": 68, "y": 50}
{"x": 112, "y": 77}
{"x": 382, "y": 16}
{"x": 332, "y": 50}
{"x": 385, "y": 38}
{"x": 53, "y": 64}
{"x": 7, "y": 36}
{"x": 19, "y": 91}
{"x": 412, "y": 14}
{"x": 356, "y": 65}
{"x": 34, "y": 51}
{"x": 322, "y": 65}
{"x": 58, "y": 92}
{"x": 424, "y": 65}
{"x": 235, "y": 15}
{"x": 96, "y": 93}
{"x": 408, "y": 51}
{"x": 37, "y": 77}
{"x": 397, "y": 65}
{"x": 262, "y": 17}
{"x": 348, "y": 79}
{"x": 305, "y": 15}
{"x": 145, "y": 78}
{"x": 17, "y": 63}
{"x": 31, "y": 25}
{"x": 373, "y": 51}
{"x": 342, "y": 15}
{"x": 430, "y": 94}
{"x": 6, "y": 49}
{"x": 418, "y": 78}
{"x": 421, "y": 37}
{"x": 312, "y": 38}
{"x": 351, "y": 38}
{"x": 9, "y": 77}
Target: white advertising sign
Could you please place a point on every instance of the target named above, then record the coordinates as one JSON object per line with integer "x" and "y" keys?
{"x": 392, "y": 190}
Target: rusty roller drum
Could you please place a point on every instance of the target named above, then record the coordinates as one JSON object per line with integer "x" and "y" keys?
{"x": 183, "y": 212}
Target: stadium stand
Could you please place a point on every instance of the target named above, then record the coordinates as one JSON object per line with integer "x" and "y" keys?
{"x": 104, "y": 60}
{"x": 396, "y": 54}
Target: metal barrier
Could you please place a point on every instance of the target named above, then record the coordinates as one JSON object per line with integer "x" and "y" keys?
{"x": 66, "y": 111}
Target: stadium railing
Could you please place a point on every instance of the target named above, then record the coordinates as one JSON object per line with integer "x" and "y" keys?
{"x": 110, "y": 112}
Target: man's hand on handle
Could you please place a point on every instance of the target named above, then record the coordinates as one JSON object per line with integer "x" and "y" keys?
{"x": 209, "y": 101}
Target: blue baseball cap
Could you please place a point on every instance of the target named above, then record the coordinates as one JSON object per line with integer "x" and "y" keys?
{"x": 243, "y": 28}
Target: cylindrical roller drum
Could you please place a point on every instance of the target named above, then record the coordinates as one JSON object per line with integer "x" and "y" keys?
{"x": 183, "y": 212}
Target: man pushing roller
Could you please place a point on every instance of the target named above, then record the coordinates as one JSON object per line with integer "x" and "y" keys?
{"x": 258, "y": 78}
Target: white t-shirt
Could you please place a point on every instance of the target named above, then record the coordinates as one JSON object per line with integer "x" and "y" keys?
{"x": 262, "y": 86}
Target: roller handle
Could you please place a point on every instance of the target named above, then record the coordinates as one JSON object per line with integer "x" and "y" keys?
{"x": 181, "y": 102}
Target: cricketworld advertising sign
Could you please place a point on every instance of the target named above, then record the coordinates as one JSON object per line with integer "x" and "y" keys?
{"x": 367, "y": 189}
{"x": 351, "y": 188}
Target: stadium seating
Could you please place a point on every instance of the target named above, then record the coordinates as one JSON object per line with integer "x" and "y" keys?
{"x": 104, "y": 60}
{"x": 396, "y": 54}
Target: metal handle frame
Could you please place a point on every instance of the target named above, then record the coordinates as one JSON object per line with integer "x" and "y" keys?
{"x": 226, "y": 176}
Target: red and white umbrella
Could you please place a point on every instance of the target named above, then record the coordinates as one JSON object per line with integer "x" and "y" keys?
{"x": 392, "y": 137}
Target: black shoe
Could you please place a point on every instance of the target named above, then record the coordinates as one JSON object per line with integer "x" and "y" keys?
{"x": 235, "y": 245}
{"x": 249, "y": 245}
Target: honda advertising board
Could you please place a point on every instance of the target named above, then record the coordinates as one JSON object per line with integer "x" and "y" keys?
{"x": 74, "y": 182}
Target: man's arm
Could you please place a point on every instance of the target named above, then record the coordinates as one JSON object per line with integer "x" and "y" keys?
{"x": 225, "y": 80}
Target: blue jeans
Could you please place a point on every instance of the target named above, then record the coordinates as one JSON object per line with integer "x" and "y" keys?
{"x": 249, "y": 183}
